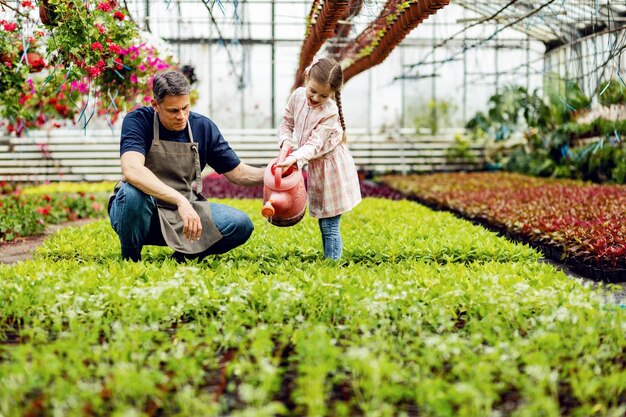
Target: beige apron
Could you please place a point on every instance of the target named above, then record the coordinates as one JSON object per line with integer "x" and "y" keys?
{"x": 177, "y": 164}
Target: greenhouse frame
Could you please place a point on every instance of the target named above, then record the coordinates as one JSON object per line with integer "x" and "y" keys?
{"x": 369, "y": 208}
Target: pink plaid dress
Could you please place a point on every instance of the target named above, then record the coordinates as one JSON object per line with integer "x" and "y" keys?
{"x": 333, "y": 183}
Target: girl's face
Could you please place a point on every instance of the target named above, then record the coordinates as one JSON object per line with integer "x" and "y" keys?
{"x": 317, "y": 93}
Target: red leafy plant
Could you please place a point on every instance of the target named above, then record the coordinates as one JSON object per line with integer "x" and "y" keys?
{"x": 585, "y": 221}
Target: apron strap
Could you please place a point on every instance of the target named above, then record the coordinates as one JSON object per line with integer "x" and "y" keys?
{"x": 194, "y": 149}
{"x": 155, "y": 130}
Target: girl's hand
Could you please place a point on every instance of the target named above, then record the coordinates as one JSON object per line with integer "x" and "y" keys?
{"x": 289, "y": 161}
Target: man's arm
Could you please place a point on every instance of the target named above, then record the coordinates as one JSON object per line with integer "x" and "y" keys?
{"x": 244, "y": 174}
{"x": 136, "y": 174}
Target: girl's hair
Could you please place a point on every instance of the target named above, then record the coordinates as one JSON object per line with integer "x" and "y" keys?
{"x": 170, "y": 83}
{"x": 329, "y": 71}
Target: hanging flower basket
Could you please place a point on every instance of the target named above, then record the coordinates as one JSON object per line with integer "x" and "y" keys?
{"x": 47, "y": 13}
{"x": 35, "y": 62}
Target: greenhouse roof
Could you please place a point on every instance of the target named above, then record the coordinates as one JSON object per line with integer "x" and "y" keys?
{"x": 554, "y": 22}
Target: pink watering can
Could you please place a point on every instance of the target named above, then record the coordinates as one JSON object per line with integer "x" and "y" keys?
{"x": 284, "y": 193}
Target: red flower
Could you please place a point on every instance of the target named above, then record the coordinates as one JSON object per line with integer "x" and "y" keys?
{"x": 44, "y": 210}
{"x": 119, "y": 16}
{"x": 115, "y": 48}
{"x": 96, "y": 46}
{"x": 47, "y": 198}
{"x": 93, "y": 71}
{"x": 10, "y": 26}
{"x": 27, "y": 3}
{"x": 37, "y": 65}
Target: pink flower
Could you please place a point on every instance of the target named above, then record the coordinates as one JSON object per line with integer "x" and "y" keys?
{"x": 147, "y": 99}
{"x": 101, "y": 64}
{"x": 142, "y": 67}
{"x": 104, "y": 6}
{"x": 80, "y": 86}
{"x": 133, "y": 78}
{"x": 100, "y": 27}
{"x": 32, "y": 86}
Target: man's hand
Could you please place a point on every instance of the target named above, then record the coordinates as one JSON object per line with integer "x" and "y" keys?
{"x": 192, "y": 226}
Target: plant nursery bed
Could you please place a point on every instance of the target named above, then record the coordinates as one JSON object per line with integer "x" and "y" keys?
{"x": 554, "y": 253}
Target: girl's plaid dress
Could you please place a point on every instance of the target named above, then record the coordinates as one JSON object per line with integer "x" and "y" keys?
{"x": 333, "y": 183}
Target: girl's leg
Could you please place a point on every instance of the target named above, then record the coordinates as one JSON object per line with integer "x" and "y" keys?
{"x": 331, "y": 237}
{"x": 131, "y": 215}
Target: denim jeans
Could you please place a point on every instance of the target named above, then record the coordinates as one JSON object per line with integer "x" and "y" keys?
{"x": 331, "y": 237}
{"x": 135, "y": 219}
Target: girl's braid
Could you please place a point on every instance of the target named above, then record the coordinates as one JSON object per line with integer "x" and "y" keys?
{"x": 343, "y": 123}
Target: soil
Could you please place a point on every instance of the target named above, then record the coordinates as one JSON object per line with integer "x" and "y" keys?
{"x": 22, "y": 248}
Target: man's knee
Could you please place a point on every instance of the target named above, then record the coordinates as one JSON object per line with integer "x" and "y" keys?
{"x": 241, "y": 227}
{"x": 134, "y": 197}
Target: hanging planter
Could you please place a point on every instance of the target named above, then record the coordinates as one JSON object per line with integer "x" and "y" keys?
{"x": 47, "y": 13}
{"x": 35, "y": 62}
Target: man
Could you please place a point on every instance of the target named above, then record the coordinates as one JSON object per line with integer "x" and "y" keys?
{"x": 163, "y": 149}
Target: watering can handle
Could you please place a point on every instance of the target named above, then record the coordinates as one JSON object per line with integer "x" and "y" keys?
{"x": 285, "y": 150}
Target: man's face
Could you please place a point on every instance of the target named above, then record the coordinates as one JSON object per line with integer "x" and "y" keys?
{"x": 173, "y": 111}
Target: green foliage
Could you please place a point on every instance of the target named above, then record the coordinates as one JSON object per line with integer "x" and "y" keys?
{"x": 433, "y": 115}
{"x": 565, "y": 99}
{"x": 612, "y": 92}
{"x": 461, "y": 150}
{"x": 424, "y": 312}
{"x": 540, "y": 139}
{"x": 512, "y": 110}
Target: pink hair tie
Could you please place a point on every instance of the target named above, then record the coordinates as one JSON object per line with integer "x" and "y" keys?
{"x": 308, "y": 69}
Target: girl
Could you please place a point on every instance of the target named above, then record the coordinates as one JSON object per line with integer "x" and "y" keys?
{"x": 316, "y": 121}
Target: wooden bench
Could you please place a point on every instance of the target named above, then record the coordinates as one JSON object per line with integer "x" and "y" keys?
{"x": 71, "y": 155}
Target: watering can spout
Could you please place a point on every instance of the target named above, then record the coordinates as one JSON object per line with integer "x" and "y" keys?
{"x": 268, "y": 210}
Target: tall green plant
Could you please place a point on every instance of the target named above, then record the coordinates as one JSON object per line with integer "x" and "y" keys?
{"x": 512, "y": 110}
{"x": 566, "y": 99}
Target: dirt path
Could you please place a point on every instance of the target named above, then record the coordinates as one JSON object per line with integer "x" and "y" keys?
{"x": 23, "y": 248}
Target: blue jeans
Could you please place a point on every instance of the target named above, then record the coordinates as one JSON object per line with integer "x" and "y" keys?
{"x": 331, "y": 237}
{"x": 134, "y": 217}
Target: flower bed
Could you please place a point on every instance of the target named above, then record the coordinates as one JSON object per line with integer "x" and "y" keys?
{"x": 425, "y": 315}
{"x": 27, "y": 212}
{"x": 217, "y": 186}
{"x": 582, "y": 224}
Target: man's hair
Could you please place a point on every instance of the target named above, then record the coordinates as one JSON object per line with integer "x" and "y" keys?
{"x": 169, "y": 83}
